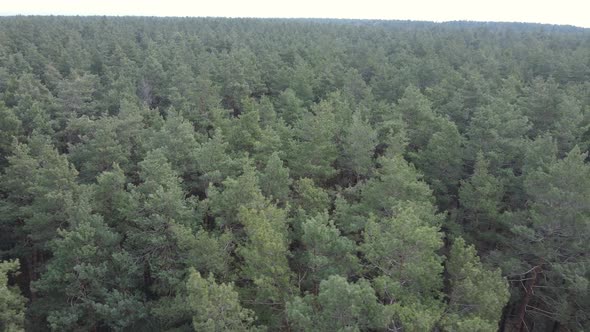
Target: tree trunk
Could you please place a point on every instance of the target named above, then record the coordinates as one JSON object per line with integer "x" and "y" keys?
{"x": 528, "y": 289}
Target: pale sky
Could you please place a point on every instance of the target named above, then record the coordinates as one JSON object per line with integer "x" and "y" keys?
{"x": 572, "y": 12}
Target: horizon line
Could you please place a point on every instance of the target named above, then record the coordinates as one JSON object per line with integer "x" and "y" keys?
{"x": 8, "y": 14}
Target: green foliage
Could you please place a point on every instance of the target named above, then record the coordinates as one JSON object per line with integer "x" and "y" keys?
{"x": 396, "y": 182}
{"x": 177, "y": 141}
{"x": 40, "y": 184}
{"x": 498, "y": 130}
{"x": 313, "y": 152}
{"x": 265, "y": 267}
{"x": 414, "y": 316}
{"x": 75, "y": 95}
{"x": 555, "y": 235}
{"x": 317, "y": 172}
{"x": 339, "y": 306}
{"x": 242, "y": 191}
{"x": 213, "y": 161}
{"x": 12, "y": 303}
{"x": 358, "y": 146}
{"x": 403, "y": 249}
{"x": 290, "y": 107}
{"x": 416, "y": 111}
{"x": 216, "y": 307}
{"x": 477, "y": 295}
{"x": 160, "y": 192}
{"x": 481, "y": 200}
{"x": 99, "y": 149}
{"x": 90, "y": 278}
{"x": 111, "y": 200}
{"x": 274, "y": 180}
{"x": 10, "y": 128}
{"x": 157, "y": 221}
{"x": 309, "y": 197}
{"x": 446, "y": 147}
{"x": 266, "y": 251}
{"x": 325, "y": 251}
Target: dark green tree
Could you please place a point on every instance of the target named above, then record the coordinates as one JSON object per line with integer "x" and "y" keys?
{"x": 90, "y": 282}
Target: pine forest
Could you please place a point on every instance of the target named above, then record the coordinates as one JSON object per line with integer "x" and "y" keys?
{"x": 214, "y": 174}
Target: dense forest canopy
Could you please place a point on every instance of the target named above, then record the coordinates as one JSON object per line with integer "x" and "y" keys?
{"x": 178, "y": 174}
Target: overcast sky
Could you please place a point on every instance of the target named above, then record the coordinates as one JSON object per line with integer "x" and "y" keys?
{"x": 573, "y": 12}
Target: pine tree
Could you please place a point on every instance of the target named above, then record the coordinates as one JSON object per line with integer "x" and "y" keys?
{"x": 442, "y": 162}
{"x": 90, "y": 281}
{"x": 12, "y": 303}
{"x": 358, "y": 147}
{"x": 312, "y": 153}
{"x": 225, "y": 203}
{"x": 325, "y": 251}
{"x": 213, "y": 161}
{"x": 99, "y": 149}
{"x": 289, "y": 107}
{"x": 275, "y": 180}
{"x": 10, "y": 129}
{"x": 310, "y": 197}
{"x": 481, "y": 203}
{"x": 111, "y": 199}
{"x": 403, "y": 251}
{"x": 397, "y": 181}
{"x": 498, "y": 130}
{"x": 157, "y": 218}
{"x": 216, "y": 307}
{"x": 477, "y": 295}
{"x": 339, "y": 306}
{"x": 76, "y": 96}
{"x": 40, "y": 186}
{"x": 416, "y": 111}
{"x": 553, "y": 241}
{"x": 177, "y": 140}
{"x": 265, "y": 256}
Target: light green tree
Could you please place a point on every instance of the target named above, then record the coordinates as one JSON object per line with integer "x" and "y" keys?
{"x": 12, "y": 303}
{"x": 225, "y": 202}
{"x": 213, "y": 161}
{"x": 275, "y": 180}
{"x": 265, "y": 254}
{"x": 339, "y": 306}
{"x": 358, "y": 146}
{"x": 402, "y": 249}
{"x": 478, "y": 295}
{"x": 325, "y": 251}
{"x": 312, "y": 153}
{"x": 216, "y": 307}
